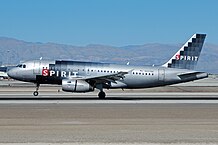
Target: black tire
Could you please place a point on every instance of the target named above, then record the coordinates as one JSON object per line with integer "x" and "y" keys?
{"x": 101, "y": 95}
{"x": 35, "y": 93}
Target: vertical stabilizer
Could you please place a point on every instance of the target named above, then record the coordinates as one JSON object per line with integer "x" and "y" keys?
{"x": 188, "y": 55}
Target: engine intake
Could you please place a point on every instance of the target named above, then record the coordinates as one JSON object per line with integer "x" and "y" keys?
{"x": 76, "y": 86}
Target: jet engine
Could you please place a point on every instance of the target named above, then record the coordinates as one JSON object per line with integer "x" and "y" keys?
{"x": 76, "y": 86}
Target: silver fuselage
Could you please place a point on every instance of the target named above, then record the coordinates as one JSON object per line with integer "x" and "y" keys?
{"x": 137, "y": 76}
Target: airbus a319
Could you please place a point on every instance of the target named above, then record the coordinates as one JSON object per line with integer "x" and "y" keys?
{"x": 76, "y": 76}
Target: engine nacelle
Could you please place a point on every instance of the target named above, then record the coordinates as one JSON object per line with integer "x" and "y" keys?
{"x": 76, "y": 86}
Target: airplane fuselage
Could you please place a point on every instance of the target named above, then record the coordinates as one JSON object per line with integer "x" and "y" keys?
{"x": 53, "y": 72}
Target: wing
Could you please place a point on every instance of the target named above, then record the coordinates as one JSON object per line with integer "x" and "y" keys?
{"x": 106, "y": 79}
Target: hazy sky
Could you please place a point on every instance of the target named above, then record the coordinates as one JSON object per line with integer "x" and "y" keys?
{"x": 109, "y": 22}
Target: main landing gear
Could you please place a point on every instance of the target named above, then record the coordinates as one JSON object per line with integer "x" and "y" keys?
{"x": 36, "y": 93}
{"x": 101, "y": 95}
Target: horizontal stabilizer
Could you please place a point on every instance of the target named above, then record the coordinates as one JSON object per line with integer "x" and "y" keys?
{"x": 193, "y": 76}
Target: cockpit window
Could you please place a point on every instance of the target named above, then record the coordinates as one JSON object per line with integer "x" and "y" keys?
{"x": 21, "y": 65}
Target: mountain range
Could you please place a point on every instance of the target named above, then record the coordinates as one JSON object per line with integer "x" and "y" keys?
{"x": 12, "y": 51}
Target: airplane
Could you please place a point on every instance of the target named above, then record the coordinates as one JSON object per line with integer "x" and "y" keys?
{"x": 77, "y": 76}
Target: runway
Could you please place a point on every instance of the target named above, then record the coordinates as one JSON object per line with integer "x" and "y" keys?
{"x": 84, "y": 119}
{"x": 108, "y": 123}
{"x": 124, "y": 117}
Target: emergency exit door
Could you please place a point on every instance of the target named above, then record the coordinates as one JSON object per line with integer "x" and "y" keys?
{"x": 161, "y": 74}
{"x": 36, "y": 69}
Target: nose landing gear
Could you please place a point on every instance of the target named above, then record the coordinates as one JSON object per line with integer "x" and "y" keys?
{"x": 36, "y": 93}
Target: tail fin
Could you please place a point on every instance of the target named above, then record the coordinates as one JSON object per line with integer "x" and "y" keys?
{"x": 188, "y": 55}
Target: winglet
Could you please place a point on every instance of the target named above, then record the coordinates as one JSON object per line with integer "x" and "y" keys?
{"x": 188, "y": 55}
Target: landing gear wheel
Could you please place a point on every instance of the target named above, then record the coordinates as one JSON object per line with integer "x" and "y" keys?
{"x": 101, "y": 95}
{"x": 35, "y": 93}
